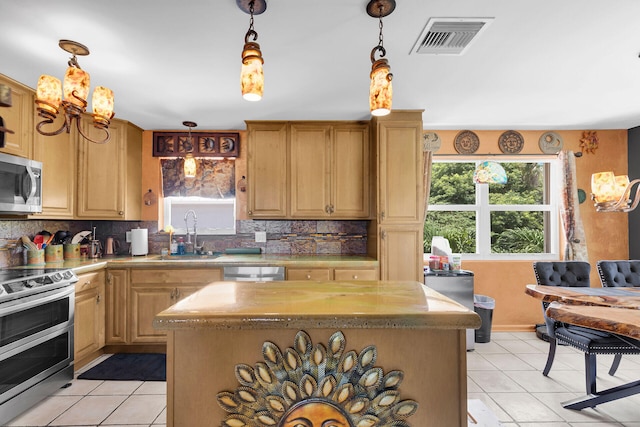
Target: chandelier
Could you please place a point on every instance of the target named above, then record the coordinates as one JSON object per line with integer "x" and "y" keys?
{"x": 189, "y": 161}
{"x": 612, "y": 193}
{"x": 76, "y": 90}
{"x": 251, "y": 74}
{"x": 380, "y": 90}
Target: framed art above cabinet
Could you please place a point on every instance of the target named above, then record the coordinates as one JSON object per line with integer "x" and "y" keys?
{"x": 201, "y": 144}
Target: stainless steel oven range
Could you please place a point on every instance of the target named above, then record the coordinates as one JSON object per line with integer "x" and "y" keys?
{"x": 36, "y": 336}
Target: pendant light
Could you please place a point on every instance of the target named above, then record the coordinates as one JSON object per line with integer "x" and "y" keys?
{"x": 380, "y": 90}
{"x": 76, "y": 91}
{"x": 190, "y": 161}
{"x": 251, "y": 75}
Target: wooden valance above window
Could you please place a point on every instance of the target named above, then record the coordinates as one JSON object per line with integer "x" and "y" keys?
{"x": 202, "y": 144}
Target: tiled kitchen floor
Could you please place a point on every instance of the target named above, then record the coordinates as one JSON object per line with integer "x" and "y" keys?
{"x": 505, "y": 374}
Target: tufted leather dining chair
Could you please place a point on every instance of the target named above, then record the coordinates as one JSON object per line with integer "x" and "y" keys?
{"x": 618, "y": 273}
{"x": 590, "y": 341}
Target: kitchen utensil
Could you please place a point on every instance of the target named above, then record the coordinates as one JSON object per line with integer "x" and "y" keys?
{"x": 60, "y": 236}
{"x": 80, "y": 236}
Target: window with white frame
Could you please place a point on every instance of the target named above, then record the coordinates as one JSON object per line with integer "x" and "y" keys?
{"x": 213, "y": 216}
{"x": 516, "y": 220}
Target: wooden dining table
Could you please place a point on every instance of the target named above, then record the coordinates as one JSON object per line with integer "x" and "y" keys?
{"x": 613, "y": 310}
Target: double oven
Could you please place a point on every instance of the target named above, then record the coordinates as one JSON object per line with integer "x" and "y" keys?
{"x": 36, "y": 336}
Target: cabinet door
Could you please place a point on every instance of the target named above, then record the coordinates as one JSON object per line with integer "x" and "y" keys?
{"x": 59, "y": 157}
{"x": 400, "y": 172}
{"x": 350, "y": 172}
{"x": 89, "y": 327}
{"x": 401, "y": 253}
{"x": 267, "y": 170}
{"x": 101, "y": 173}
{"x": 117, "y": 306}
{"x": 308, "y": 274}
{"x": 310, "y": 162}
{"x": 146, "y": 302}
{"x": 19, "y": 118}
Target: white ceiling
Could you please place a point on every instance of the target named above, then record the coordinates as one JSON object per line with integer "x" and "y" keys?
{"x": 570, "y": 64}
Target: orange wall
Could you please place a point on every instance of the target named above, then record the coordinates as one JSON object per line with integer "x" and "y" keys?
{"x": 606, "y": 233}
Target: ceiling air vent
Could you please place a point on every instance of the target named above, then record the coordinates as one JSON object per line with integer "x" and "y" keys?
{"x": 449, "y": 36}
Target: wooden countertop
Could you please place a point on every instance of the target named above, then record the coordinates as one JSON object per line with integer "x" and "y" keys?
{"x": 193, "y": 261}
{"x": 304, "y": 304}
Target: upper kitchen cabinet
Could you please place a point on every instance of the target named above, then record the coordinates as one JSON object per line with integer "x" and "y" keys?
{"x": 18, "y": 118}
{"x": 267, "y": 170}
{"x": 399, "y": 168}
{"x": 109, "y": 175}
{"x": 329, "y": 167}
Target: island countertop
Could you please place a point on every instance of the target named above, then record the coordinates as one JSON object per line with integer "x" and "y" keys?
{"x": 326, "y": 304}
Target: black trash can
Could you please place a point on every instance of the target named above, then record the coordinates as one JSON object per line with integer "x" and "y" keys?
{"x": 484, "y": 305}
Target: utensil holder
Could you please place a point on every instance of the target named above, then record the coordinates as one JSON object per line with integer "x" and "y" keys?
{"x": 53, "y": 254}
{"x": 35, "y": 257}
{"x": 71, "y": 251}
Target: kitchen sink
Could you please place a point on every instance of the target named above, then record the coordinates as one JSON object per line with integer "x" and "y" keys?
{"x": 188, "y": 257}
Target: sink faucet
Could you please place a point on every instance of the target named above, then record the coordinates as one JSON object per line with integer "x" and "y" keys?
{"x": 195, "y": 232}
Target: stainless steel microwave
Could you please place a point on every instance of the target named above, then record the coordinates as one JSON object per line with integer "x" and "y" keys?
{"x": 20, "y": 185}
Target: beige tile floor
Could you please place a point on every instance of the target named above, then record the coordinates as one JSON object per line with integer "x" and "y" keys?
{"x": 504, "y": 374}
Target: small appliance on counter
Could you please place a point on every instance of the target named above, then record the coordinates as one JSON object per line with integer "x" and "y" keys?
{"x": 111, "y": 246}
{"x": 139, "y": 241}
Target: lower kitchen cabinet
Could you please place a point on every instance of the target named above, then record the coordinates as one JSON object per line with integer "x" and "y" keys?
{"x": 317, "y": 274}
{"x": 117, "y": 298}
{"x": 152, "y": 291}
{"x": 89, "y": 323}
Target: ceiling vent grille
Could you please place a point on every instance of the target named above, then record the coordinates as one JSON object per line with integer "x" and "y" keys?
{"x": 449, "y": 36}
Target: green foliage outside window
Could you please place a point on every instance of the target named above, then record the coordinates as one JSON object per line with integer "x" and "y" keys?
{"x": 511, "y": 231}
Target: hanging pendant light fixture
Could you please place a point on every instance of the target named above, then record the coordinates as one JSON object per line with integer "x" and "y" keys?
{"x": 190, "y": 161}
{"x": 612, "y": 193}
{"x": 76, "y": 90}
{"x": 380, "y": 90}
{"x": 251, "y": 75}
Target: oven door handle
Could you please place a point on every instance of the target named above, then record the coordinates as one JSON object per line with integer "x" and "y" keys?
{"x": 58, "y": 294}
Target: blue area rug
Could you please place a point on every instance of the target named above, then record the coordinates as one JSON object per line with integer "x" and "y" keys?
{"x": 129, "y": 367}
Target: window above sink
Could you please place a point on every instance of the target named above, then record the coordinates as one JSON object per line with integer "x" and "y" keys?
{"x": 214, "y": 216}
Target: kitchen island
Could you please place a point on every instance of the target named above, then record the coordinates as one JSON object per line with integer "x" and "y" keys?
{"x": 234, "y": 346}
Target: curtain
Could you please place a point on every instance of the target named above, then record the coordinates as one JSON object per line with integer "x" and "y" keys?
{"x": 575, "y": 248}
{"x": 215, "y": 179}
{"x": 427, "y": 158}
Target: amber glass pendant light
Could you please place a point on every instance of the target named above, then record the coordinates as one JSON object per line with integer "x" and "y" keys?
{"x": 251, "y": 74}
{"x": 76, "y": 91}
{"x": 190, "y": 167}
{"x": 380, "y": 90}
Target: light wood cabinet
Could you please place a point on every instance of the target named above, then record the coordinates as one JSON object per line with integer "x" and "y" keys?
{"x": 19, "y": 118}
{"x": 399, "y": 223}
{"x": 329, "y": 168}
{"x": 267, "y": 185}
{"x": 152, "y": 291}
{"x": 109, "y": 175}
{"x": 89, "y": 323}
{"x": 117, "y": 302}
{"x": 320, "y": 274}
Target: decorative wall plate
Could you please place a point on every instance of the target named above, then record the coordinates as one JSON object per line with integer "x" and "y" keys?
{"x": 431, "y": 141}
{"x": 466, "y": 142}
{"x": 550, "y": 143}
{"x": 511, "y": 142}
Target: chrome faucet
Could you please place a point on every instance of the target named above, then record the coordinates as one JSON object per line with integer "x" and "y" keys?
{"x": 195, "y": 231}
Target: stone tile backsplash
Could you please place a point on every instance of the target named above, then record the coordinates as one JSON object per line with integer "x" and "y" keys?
{"x": 283, "y": 236}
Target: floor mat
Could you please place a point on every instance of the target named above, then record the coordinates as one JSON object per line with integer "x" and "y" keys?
{"x": 129, "y": 366}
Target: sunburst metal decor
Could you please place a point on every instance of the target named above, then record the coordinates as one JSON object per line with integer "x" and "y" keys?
{"x": 313, "y": 385}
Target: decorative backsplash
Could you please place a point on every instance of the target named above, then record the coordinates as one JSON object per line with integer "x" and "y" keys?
{"x": 283, "y": 237}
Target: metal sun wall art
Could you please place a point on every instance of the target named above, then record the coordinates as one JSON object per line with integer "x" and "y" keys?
{"x": 589, "y": 141}
{"x": 314, "y": 386}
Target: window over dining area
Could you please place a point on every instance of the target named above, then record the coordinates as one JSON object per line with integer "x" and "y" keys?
{"x": 516, "y": 220}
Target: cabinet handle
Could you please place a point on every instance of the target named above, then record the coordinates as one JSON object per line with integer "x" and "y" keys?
{"x": 327, "y": 209}
{"x": 173, "y": 293}
{"x": 109, "y": 278}
{"x": 382, "y": 216}
{"x": 250, "y": 213}
{"x": 355, "y": 276}
{"x": 308, "y": 277}
{"x": 331, "y": 209}
{"x": 383, "y": 234}
{"x": 98, "y": 298}
{"x": 120, "y": 213}
{"x": 177, "y": 293}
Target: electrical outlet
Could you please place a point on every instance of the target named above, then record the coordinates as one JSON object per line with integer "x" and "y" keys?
{"x": 261, "y": 236}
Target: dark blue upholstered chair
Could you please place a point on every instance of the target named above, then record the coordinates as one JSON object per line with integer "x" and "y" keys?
{"x": 590, "y": 341}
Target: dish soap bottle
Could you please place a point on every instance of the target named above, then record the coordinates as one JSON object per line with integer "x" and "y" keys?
{"x": 174, "y": 247}
{"x": 181, "y": 246}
